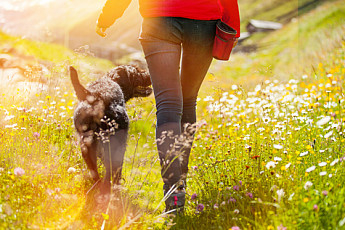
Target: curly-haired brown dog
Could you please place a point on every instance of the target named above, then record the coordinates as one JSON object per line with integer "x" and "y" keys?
{"x": 101, "y": 120}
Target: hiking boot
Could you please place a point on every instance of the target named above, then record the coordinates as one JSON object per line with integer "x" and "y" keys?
{"x": 175, "y": 199}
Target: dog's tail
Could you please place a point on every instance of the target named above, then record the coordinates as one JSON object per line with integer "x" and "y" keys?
{"x": 80, "y": 90}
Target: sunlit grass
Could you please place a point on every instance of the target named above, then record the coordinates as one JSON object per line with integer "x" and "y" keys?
{"x": 265, "y": 144}
{"x": 53, "y": 55}
{"x": 264, "y": 158}
{"x": 268, "y": 154}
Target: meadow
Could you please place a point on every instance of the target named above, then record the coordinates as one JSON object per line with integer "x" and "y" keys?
{"x": 269, "y": 150}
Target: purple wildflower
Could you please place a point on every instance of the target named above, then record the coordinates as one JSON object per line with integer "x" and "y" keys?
{"x": 235, "y": 228}
{"x": 36, "y": 135}
{"x": 194, "y": 196}
{"x": 236, "y": 187}
{"x": 200, "y": 207}
{"x": 233, "y": 200}
{"x": 19, "y": 171}
{"x": 315, "y": 207}
{"x": 281, "y": 227}
{"x": 250, "y": 195}
{"x": 325, "y": 193}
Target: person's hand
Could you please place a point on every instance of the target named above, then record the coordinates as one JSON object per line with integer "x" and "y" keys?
{"x": 101, "y": 31}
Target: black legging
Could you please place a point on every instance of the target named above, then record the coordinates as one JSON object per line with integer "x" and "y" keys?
{"x": 176, "y": 91}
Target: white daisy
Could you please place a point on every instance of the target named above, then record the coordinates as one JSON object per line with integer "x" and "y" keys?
{"x": 323, "y": 121}
{"x": 312, "y": 168}
{"x": 322, "y": 164}
{"x": 323, "y": 173}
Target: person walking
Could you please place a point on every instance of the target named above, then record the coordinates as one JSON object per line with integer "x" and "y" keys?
{"x": 174, "y": 33}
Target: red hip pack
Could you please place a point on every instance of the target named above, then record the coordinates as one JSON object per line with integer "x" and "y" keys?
{"x": 224, "y": 41}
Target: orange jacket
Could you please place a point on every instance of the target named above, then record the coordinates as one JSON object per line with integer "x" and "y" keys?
{"x": 227, "y": 10}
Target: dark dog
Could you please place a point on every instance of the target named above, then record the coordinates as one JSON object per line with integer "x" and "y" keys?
{"x": 101, "y": 119}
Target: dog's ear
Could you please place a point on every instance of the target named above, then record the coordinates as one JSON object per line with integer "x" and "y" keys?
{"x": 80, "y": 90}
{"x": 122, "y": 73}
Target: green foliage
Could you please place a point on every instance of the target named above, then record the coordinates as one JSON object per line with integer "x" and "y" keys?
{"x": 294, "y": 49}
{"x": 57, "y": 55}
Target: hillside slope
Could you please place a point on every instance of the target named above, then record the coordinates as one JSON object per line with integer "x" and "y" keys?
{"x": 68, "y": 22}
{"x": 290, "y": 52}
{"x": 72, "y": 22}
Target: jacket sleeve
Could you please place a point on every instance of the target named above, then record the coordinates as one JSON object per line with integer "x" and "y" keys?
{"x": 112, "y": 10}
{"x": 231, "y": 14}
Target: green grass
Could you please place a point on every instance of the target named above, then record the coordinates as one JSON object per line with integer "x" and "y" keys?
{"x": 57, "y": 55}
{"x": 239, "y": 140}
{"x": 293, "y": 50}
{"x": 240, "y": 133}
{"x": 242, "y": 130}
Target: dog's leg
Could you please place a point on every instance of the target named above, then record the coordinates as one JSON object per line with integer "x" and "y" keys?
{"x": 114, "y": 152}
{"x": 89, "y": 153}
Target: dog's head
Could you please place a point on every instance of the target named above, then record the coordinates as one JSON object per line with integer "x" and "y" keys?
{"x": 133, "y": 81}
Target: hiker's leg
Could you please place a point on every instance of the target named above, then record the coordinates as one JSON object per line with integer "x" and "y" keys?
{"x": 161, "y": 44}
{"x": 197, "y": 56}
